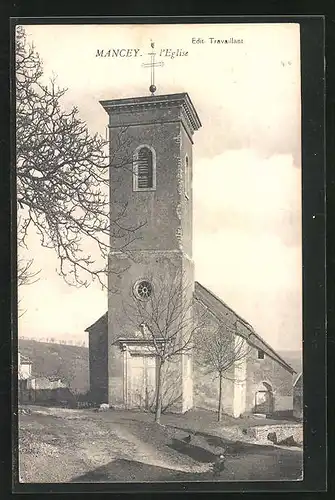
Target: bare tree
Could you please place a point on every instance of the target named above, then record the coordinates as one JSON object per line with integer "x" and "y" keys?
{"x": 62, "y": 176}
{"x": 25, "y": 275}
{"x": 65, "y": 372}
{"x": 164, "y": 314}
{"x": 221, "y": 348}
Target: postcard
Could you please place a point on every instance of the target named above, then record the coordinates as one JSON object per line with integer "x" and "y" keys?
{"x": 159, "y": 232}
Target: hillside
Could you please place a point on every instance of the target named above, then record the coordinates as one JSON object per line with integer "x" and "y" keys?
{"x": 68, "y": 362}
{"x": 71, "y": 363}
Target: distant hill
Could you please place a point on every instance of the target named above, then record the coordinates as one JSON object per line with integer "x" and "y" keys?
{"x": 293, "y": 358}
{"x": 71, "y": 363}
{"x": 68, "y": 362}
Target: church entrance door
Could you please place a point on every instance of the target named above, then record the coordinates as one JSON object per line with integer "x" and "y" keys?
{"x": 142, "y": 381}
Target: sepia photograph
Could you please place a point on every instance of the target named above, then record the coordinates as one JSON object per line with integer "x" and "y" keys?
{"x": 159, "y": 252}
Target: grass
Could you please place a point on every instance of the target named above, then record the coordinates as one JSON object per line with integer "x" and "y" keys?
{"x": 59, "y": 445}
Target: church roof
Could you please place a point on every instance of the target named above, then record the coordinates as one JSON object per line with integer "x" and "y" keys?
{"x": 298, "y": 380}
{"x": 101, "y": 323}
{"x": 217, "y": 307}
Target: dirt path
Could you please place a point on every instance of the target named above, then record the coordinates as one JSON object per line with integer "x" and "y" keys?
{"x": 130, "y": 447}
{"x": 72, "y": 442}
{"x": 59, "y": 445}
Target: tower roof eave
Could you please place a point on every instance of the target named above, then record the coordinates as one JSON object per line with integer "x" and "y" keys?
{"x": 136, "y": 104}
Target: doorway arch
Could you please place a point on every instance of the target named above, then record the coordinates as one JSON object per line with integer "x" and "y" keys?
{"x": 264, "y": 399}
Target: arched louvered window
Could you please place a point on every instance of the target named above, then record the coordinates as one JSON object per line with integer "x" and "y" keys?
{"x": 144, "y": 169}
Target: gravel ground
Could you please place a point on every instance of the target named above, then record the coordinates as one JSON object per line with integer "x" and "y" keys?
{"x": 61, "y": 445}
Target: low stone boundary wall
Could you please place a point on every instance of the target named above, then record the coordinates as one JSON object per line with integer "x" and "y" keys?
{"x": 282, "y": 431}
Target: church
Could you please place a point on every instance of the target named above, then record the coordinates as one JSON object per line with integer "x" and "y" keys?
{"x": 151, "y": 163}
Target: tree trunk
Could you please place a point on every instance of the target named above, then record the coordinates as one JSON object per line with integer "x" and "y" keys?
{"x": 158, "y": 405}
{"x": 220, "y": 398}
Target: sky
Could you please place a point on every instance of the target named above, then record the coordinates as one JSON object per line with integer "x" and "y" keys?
{"x": 246, "y": 160}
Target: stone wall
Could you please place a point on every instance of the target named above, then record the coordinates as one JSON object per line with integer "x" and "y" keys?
{"x": 206, "y": 391}
{"x": 298, "y": 404}
{"x": 98, "y": 348}
{"x": 52, "y": 396}
{"x": 153, "y": 213}
{"x": 186, "y": 199}
{"x": 206, "y": 381}
{"x": 255, "y": 375}
{"x": 162, "y": 244}
{"x": 282, "y": 431}
{"x": 41, "y": 383}
{"x": 266, "y": 373}
{"x": 172, "y": 386}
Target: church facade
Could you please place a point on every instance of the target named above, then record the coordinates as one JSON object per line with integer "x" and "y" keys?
{"x": 151, "y": 161}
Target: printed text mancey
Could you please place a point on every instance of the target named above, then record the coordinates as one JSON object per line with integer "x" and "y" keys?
{"x": 171, "y": 53}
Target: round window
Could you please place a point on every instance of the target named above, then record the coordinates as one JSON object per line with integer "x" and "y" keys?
{"x": 143, "y": 289}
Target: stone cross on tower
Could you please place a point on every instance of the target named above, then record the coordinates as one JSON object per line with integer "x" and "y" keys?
{"x": 152, "y": 65}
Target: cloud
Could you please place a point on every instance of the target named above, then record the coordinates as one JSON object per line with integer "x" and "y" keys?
{"x": 54, "y": 309}
{"x": 241, "y": 191}
{"x": 247, "y": 95}
{"x": 247, "y": 234}
{"x": 247, "y": 238}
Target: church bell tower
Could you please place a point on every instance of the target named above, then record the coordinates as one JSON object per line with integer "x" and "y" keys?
{"x": 150, "y": 140}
